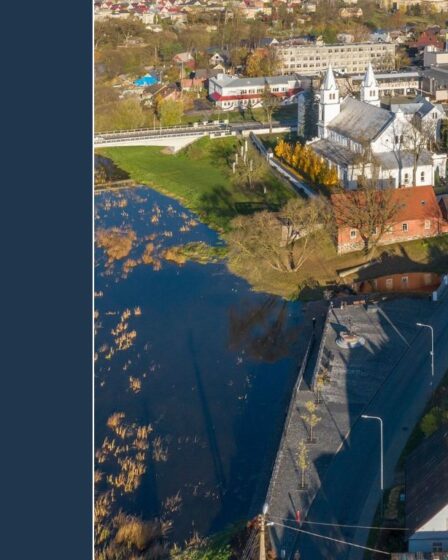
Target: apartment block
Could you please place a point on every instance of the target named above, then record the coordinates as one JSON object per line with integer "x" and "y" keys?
{"x": 312, "y": 59}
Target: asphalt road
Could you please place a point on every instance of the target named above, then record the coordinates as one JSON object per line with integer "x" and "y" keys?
{"x": 350, "y": 492}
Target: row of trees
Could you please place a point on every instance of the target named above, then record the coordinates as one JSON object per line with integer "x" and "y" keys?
{"x": 308, "y": 163}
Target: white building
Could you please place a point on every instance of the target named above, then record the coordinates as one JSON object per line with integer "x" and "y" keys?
{"x": 361, "y": 139}
{"x": 231, "y": 92}
{"x": 313, "y": 59}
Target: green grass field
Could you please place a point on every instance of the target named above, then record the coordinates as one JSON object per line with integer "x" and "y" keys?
{"x": 200, "y": 177}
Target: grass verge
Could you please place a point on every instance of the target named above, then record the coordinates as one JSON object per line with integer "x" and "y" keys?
{"x": 200, "y": 177}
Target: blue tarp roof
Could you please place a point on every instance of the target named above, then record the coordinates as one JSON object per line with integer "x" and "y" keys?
{"x": 146, "y": 80}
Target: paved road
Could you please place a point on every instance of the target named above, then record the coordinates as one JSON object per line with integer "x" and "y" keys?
{"x": 350, "y": 490}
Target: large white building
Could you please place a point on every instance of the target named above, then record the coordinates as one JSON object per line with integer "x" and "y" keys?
{"x": 361, "y": 139}
{"x": 313, "y": 59}
{"x": 232, "y": 92}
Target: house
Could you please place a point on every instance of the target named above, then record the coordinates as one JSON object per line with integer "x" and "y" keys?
{"x": 435, "y": 82}
{"x": 427, "y": 494}
{"x": 345, "y": 38}
{"x": 360, "y": 138}
{"x": 185, "y": 59}
{"x": 418, "y": 216}
{"x": 348, "y": 13}
{"x": 217, "y": 58}
{"x": 433, "y": 56}
{"x": 232, "y": 92}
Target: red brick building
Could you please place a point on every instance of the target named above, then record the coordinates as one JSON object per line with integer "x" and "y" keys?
{"x": 418, "y": 216}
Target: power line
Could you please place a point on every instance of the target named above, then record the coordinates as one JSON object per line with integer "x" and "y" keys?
{"x": 340, "y": 525}
{"x": 330, "y": 538}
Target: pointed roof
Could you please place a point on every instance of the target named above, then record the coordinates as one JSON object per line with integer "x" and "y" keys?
{"x": 369, "y": 78}
{"x": 329, "y": 81}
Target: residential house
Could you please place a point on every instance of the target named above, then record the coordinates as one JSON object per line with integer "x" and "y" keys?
{"x": 350, "y": 13}
{"x": 184, "y": 59}
{"x": 424, "y": 114}
{"x": 427, "y": 495}
{"x": 418, "y": 216}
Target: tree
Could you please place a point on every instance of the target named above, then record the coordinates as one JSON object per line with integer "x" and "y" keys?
{"x": 310, "y": 118}
{"x": 311, "y": 418}
{"x": 416, "y": 138}
{"x": 249, "y": 170}
{"x": 254, "y": 65}
{"x": 320, "y": 383}
{"x": 270, "y": 103}
{"x": 302, "y": 461}
{"x": 170, "y": 112}
{"x": 368, "y": 210}
{"x": 282, "y": 240}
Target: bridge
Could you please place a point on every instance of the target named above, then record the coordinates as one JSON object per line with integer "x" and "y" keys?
{"x": 177, "y": 137}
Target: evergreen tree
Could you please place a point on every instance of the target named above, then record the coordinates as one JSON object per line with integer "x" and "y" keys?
{"x": 310, "y": 118}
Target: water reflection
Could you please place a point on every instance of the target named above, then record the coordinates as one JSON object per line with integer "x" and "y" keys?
{"x": 194, "y": 353}
{"x": 263, "y": 329}
{"x": 403, "y": 282}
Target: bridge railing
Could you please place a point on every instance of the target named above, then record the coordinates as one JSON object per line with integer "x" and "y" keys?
{"x": 198, "y": 124}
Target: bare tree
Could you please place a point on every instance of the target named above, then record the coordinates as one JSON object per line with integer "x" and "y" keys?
{"x": 417, "y": 138}
{"x": 270, "y": 103}
{"x": 311, "y": 418}
{"x": 368, "y": 210}
{"x": 283, "y": 240}
{"x": 303, "y": 462}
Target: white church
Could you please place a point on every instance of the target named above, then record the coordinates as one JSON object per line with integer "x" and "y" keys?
{"x": 360, "y": 138}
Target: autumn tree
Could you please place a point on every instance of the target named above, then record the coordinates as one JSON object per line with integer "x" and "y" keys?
{"x": 310, "y": 418}
{"x": 320, "y": 383}
{"x": 303, "y": 461}
{"x": 270, "y": 102}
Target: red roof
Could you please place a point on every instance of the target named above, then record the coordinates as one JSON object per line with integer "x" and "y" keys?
{"x": 415, "y": 203}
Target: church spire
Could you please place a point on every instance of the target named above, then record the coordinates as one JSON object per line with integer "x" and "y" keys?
{"x": 329, "y": 82}
{"x": 329, "y": 103}
{"x": 370, "y": 92}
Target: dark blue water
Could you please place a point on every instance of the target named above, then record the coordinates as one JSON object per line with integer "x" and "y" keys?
{"x": 216, "y": 363}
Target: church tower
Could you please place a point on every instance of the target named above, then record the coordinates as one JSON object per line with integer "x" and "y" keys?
{"x": 329, "y": 104}
{"x": 370, "y": 92}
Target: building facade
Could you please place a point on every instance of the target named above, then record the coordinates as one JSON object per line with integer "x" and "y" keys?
{"x": 419, "y": 216}
{"x": 312, "y": 59}
{"x": 364, "y": 141}
{"x": 231, "y": 92}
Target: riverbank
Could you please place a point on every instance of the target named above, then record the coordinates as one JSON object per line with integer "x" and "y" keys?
{"x": 200, "y": 177}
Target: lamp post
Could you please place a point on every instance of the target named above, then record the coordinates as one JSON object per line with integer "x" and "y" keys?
{"x": 432, "y": 349}
{"x": 365, "y": 416}
{"x": 262, "y": 532}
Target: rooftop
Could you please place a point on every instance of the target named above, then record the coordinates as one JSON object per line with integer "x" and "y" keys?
{"x": 427, "y": 479}
{"x": 360, "y": 121}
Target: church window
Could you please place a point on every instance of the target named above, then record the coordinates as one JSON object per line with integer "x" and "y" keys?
{"x": 434, "y": 115}
{"x": 406, "y": 178}
{"x": 422, "y": 176}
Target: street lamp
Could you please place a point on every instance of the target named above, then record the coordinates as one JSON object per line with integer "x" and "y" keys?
{"x": 365, "y": 416}
{"x": 432, "y": 348}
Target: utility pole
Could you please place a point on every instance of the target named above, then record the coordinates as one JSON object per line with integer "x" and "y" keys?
{"x": 262, "y": 555}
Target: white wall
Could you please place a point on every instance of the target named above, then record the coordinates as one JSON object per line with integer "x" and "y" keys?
{"x": 438, "y": 523}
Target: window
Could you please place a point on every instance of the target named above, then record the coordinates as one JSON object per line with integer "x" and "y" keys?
{"x": 352, "y": 233}
{"x": 406, "y": 178}
{"x": 405, "y": 281}
{"x": 389, "y": 283}
{"x": 437, "y": 547}
{"x": 434, "y": 115}
{"x": 427, "y": 224}
{"x": 404, "y": 227}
